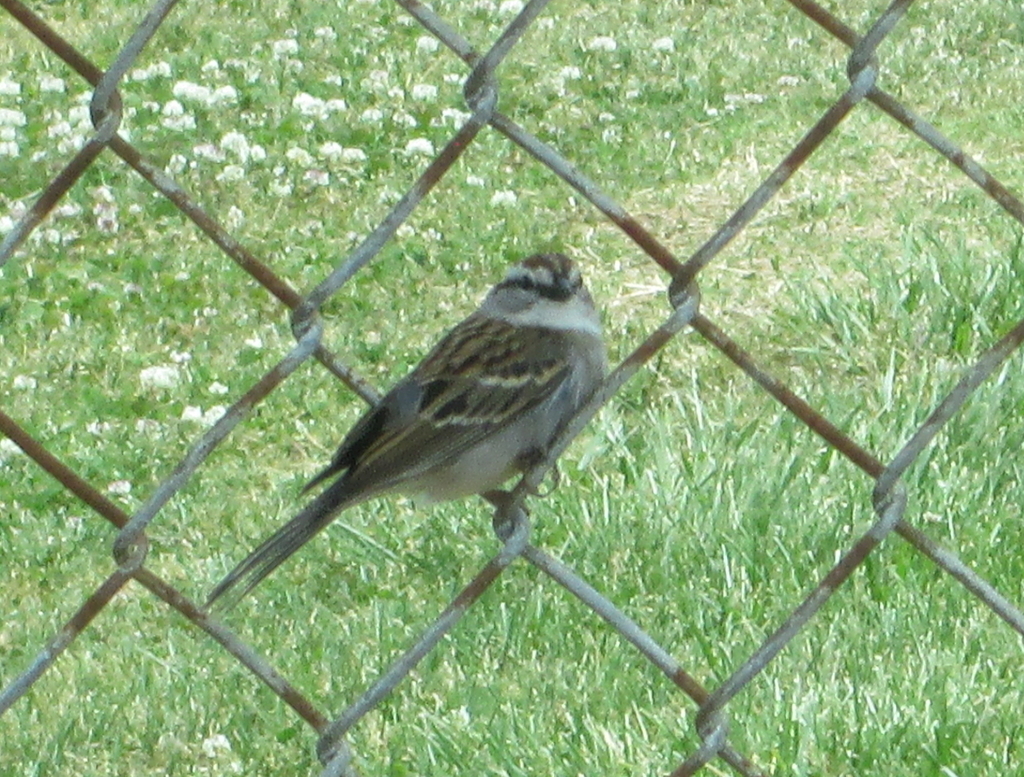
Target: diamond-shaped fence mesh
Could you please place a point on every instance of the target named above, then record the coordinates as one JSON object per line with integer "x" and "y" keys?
{"x": 98, "y": 131}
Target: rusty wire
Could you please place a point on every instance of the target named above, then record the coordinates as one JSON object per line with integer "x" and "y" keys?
{"x": 481, "y": 89}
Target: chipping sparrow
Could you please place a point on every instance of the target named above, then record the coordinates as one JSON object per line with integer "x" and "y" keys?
{"x": 482, "y": 406}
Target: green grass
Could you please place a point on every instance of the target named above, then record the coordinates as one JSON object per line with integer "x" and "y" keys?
{"x": 693, "y": 501}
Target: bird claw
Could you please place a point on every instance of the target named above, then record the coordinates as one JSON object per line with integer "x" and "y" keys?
{"x": 506, "y": 513}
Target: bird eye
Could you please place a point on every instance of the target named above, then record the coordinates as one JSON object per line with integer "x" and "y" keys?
{"x": 525, "y": 282}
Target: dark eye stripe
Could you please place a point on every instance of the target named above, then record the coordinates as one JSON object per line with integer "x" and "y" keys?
{"x": 559, "y": 292}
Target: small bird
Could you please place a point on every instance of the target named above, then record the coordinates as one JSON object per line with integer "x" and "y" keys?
{"x": 483, "y": 405}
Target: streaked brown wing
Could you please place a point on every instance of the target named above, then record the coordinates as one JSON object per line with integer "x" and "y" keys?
{"x": 431, "y": 416}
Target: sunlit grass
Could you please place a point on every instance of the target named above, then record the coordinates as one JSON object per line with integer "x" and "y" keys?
{"x": 693, "y": 501}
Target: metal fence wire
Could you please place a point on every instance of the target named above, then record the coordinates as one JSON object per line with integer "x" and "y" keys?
{"x": 482, "y": 85}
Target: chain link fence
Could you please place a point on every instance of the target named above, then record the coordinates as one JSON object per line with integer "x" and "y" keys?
{"x": 481, "y": 88}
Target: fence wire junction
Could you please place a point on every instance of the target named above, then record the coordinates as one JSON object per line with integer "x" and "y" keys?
{"x": 481, "y": 89}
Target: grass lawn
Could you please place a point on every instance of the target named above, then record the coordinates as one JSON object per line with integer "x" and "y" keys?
{"x": 693, "y": 501}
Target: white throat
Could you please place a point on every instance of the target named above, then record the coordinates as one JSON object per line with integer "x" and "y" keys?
{"x": 573, "y": 315}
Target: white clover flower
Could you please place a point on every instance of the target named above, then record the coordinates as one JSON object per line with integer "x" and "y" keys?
{"x": 9, "y": 88}
{"x": 51, "y": 84}
{"x": 788, "y": 81}
{"x": 186, "y": 90}
{"x": 236, "y": 143}
{"x": 24, "y": 382}
{"x": 331, "y": 150}
{"x": 208, "y": 151}
{"x": 455, "y": 117}
{"x": 192, "y": 413}
{"x": 419, "y": 146}
{"x": 280, "y": 189}
{"x": 299, "y": 156}
{"x": 105, "y": 210}
{"x": 119, "y": 488}
{"x": 285, "y": 48}
{"x": 59, "y": 130}
{"x": 212, "y": 745}
{"x": 317, "y": 177}
{"x": 147, "y": 426}
{"x": 510, "y": 7}
{"x": 181, "y": 357}
{"x": 602, "y": 43}
{"x": 211, "y": 66}
{"x": 103, "y": 194}
{"x": 214, "y": 414}
{"x": 427, "y": 44}
{"x": 176, "y": 164}
{"x": 308, "y": 105}
{"x": 10, "y": 117}
{"x": 98, "y": 427}
{"x": 475, "y": 180}
{"x": 218, "y": 388}
{"x": 156, "y": 69}
{"x": 334, "y": 80}
{"x": 173, "y": 116}
{"x": 254, "y": 342}
{"x": 224, "y": 95}
{"x": 570, "y": 73}
{"x": 257, "y": 153}
{"x": 504, "y": 198}
{"x": 184, "y": 123}
{"x": 353, "y": 155}
{"x": 424, "y": 92}
{"x": 664, "y": 44}
{"x": 9, "y": 448}
{"x": 250, "y": 69}
{"x": 335, "y": 104}
{"x": 372, "y": 115}
{"x": 162, "y": 376}
{"x": 325, "y": 33}
{"x": 68, "y": 210}
{"x": 732, "y": 100}
{"x": 231, "y": 173}
{"x": 405, "y": 119}
{"x": 235, "y": 217}
{"x": 79, "y": 117}
{"x": 9, "y": 148}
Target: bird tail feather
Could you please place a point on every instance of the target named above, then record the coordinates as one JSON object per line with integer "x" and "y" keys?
{"x": 279, "y": 546}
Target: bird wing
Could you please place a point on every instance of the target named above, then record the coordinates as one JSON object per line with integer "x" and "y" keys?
{"x": 458, "y": 396}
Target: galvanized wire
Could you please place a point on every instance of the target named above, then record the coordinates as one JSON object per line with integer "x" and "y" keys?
{"x": 481, "y": 89}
